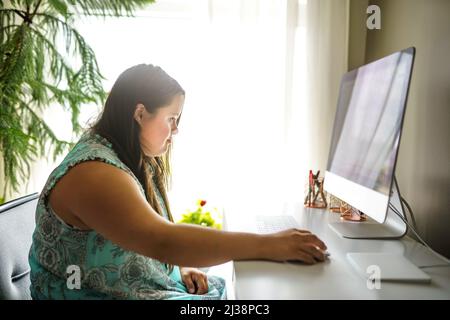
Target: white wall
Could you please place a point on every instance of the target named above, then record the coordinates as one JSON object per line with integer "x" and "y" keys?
{"x": 423, "y": 168}
{"x": 357, "y": 33}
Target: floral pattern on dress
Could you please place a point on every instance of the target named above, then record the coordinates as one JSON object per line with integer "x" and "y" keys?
{"x": 107, "y": 270}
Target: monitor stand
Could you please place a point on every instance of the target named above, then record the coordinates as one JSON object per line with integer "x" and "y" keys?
{"x": 392, "y": 228}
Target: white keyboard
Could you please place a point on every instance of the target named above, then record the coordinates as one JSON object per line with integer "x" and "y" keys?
{"x": 270, "y": 224}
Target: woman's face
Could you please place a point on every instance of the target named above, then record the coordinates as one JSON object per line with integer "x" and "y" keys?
{"x": 158, "y": 129}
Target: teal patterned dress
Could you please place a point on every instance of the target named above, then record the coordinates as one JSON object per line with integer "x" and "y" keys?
{"x": 107, "y": 271}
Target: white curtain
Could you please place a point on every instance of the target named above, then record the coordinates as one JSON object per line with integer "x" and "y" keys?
{"x": 319, "y": 60}
{"x": 327, "y": 46}
{"x": 261, "y": 80}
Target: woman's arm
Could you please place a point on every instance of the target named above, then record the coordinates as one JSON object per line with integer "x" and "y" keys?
{"x": 109, "y": 201}
{"x": 195, "y": 246}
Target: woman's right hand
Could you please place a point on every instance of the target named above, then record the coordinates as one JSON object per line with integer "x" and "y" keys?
{"x": 295, "y": 245}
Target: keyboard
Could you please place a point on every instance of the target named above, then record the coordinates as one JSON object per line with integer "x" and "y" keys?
{"x": 270, "y": 224}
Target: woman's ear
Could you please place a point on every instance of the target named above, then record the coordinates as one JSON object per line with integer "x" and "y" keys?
{"x": 138, "y": 113}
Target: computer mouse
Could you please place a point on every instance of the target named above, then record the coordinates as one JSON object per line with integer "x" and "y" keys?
{"x": 325, "y": 252}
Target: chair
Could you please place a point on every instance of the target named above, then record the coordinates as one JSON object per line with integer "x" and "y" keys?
{"x": 16, "y": 228}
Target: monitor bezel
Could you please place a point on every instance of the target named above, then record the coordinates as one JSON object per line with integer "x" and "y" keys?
{"x": 373, "y": 203}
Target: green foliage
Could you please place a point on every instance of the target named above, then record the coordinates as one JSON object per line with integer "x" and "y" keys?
{"x": 35, "y": 73}
{"x": 200, "y": 216}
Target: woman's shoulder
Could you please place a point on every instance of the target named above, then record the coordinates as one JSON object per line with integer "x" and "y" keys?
{"x": 91, "y": 156}
{"x": 94, "y": 176}
{"x": 91, "y": 186}
{"x": 92, "y": 168}
{"x": 92, "y": 147}
{"x": 95, "y": 154}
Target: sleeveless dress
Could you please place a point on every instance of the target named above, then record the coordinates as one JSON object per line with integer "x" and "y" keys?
{"x": 106, "y": 270}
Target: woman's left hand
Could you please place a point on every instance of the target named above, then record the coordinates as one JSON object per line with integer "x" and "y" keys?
{"x": 196, "y": 281}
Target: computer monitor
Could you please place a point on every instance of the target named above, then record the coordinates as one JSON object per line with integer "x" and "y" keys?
{"x": 365, "y": 143}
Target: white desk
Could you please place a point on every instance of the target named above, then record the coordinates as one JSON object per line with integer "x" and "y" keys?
{"x": 335, "y": 278}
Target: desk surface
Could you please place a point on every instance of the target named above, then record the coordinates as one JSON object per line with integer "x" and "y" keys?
{"x": 335, "y": 278}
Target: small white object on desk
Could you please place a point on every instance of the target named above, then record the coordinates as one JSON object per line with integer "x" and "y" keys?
{"x": 390, "y": 267}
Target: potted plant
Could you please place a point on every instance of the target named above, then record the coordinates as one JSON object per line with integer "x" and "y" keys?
{"x": 203, "y": 216}
{"x": 35, "y": 72}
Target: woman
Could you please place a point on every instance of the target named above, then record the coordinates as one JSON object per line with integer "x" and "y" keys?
{"x": 104, "y": 210}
